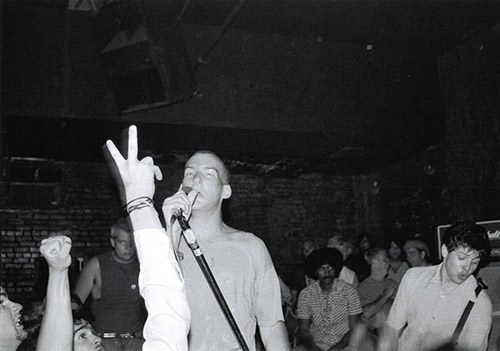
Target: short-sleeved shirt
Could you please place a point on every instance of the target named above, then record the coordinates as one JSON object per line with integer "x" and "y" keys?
{"x": 398, "y": 275}
{"x": 244, "y": 271}
{"x": 370, "y": 289}
{"x": 328, "y": 312}
{"x": 433, "y": 314}
{"x": 348, "y": 275}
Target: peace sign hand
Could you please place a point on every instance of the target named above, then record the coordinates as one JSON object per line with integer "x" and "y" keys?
{"x": 136, "y": 176}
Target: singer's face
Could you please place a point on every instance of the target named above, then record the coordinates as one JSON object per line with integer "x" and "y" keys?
{"x": 204, "y": 172}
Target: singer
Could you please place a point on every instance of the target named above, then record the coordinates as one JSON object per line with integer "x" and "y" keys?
{"x": 240, "y": 263}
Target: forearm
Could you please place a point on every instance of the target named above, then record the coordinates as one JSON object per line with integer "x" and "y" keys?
{"x": 145, "y": 218}
{"x": 275, "y": 338}
{"x": 371, "y": 309}
{"x": 57, "y": 318}
{"x": 162, "y": 286}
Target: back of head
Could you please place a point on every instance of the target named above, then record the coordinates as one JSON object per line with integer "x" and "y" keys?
{"x": 308, "y": 246}
{"x": 469, "y": 236}
{"x": 322, "y": 256}
{"x": 337, "y": 240}
{"x": 341, "y": 243}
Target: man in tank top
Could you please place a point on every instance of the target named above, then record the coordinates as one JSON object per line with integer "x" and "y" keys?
{"x": 111, "y": 278}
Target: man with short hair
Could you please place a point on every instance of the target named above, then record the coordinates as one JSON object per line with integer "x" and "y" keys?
{"x": 377, "y": 291}
{"x": 239, "y": 261}
{"x": 111, "y": 278}
{"x": 340, "y": 242}
{"x": 417, "y": 253}
{"x": 328, "y": 309}
{"x": 431, "y": 300}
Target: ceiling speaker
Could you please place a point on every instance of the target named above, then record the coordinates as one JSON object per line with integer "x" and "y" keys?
{"x": 143, "y": 52}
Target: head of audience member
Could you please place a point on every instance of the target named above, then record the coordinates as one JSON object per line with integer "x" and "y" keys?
{"x": 324, "y": 265}
{"x": 122, "y": 241}
{"x": 417, "y": 253}
{"x": 307, "y": 247}
{"x": 12, "y": 331}
{"x": 378, "y": 260}
{"x": 363, "y": 241}
{"x": 207, "y": 174}
{"x": 32, "y": 321}
{"x": 465, "y": 244}
{"x": 341, "y": 243}
{"x": 395, "y": 249}
{"x": 84, "y": 338}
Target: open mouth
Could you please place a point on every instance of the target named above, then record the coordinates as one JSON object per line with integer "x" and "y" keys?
{"x": 19, "y": 322}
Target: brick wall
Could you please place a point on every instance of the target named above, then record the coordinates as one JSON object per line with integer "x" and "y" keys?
{"x": 283, "y": 212}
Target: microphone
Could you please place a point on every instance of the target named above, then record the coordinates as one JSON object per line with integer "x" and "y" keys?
{"x": 177, "y": 212}
{"x": 186, "y": 229}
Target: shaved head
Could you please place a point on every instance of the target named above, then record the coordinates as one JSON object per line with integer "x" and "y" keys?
{"x": 220, "y": 166}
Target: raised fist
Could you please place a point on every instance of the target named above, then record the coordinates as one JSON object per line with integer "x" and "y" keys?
{"x": 56, "y": 250}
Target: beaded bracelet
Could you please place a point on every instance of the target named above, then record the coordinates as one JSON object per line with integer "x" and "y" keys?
{"x": 138, "y": 203}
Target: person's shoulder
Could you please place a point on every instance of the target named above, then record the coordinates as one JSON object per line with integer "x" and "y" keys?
{"x": 342, "y": 285}
{"x": 309, "y": 289}
{"x": 348, "y": 271}
{"x": 419, "y": 275}
{"x": 242, "y": 236}
{"x": 92, "y": 266}
{"x": 422, "y": 271}
{"x": 484, "y": 299}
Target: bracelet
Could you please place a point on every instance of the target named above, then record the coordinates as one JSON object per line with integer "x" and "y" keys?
{"x": 138, "y": 203}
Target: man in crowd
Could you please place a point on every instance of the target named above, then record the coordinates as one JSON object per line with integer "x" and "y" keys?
{"x": 431, "y": 300}
{"x": 417, "y": 253}
{"x": 377, "y": 291}
{"x": 238, "y": 260}
{"x": 341, "y": 243}
{"x": 111, "y": 278}
{"x": 329, "y": 308}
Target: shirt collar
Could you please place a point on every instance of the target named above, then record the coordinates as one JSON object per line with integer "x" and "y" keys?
{"x": 466, "y": 289}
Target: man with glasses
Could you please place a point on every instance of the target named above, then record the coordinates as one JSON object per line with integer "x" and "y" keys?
{"x": 329, "y": 308}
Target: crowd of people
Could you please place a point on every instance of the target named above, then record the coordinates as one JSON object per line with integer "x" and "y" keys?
{"x": 218, "y": 290}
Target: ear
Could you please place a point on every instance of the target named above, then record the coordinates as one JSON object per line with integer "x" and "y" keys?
{"x": 226, "y": 191}
{"x": 112, "y": 242}
{"x": 444, "y": 251}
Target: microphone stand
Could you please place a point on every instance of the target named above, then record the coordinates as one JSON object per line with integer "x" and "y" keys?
{"x": 200, "y": 258}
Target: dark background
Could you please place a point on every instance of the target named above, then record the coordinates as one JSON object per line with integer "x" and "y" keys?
{"x": 333, "y": 116}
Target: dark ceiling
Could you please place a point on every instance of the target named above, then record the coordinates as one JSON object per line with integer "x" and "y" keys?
{"x": 351, "y": 140}
{"x": 431, "y": 25}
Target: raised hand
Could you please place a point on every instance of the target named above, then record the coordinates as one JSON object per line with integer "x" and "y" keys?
{"x": 180, "y": 200}
{"x": 391, "y": 288}
{"x": 137, "y": 176}
{"x": 56, "y": 250}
